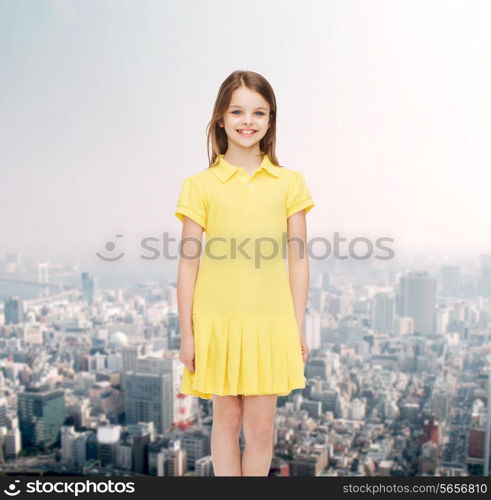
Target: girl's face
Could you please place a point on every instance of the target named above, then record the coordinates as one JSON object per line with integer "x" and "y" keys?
{"x": 246, "y": 120}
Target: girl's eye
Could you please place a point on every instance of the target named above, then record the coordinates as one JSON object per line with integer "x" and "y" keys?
{"x": 237, "y": 111}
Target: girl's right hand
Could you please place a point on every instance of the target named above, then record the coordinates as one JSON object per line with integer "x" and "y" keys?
{"x": 186, "y": 353}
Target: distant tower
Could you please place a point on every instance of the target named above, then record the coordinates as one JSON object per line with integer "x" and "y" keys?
{"x": 43, "y": 272}
{"x": 383, "y": 313}
{"x": 417, "y": 300}
{"x": 43, "y": 276}
{"x": 88, "y": 285}
{"x": 14, "y": 311}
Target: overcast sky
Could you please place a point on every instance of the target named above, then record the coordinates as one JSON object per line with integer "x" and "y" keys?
{"x": 383, "y": 105}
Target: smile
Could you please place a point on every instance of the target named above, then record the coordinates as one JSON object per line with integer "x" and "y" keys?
{"x": 246, "y": 131}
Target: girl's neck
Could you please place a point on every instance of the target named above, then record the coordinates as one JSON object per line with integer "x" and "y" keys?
{"x": 250, "y": 160}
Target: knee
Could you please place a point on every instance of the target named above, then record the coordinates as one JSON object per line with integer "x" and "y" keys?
{"x": 258, "y": 431}
{"x": 229, "y": 420}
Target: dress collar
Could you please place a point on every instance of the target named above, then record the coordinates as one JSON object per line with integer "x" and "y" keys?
{"x": 224, "y": 170}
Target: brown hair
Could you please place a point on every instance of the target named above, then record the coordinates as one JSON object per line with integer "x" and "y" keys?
{"x": 216, "y": 135}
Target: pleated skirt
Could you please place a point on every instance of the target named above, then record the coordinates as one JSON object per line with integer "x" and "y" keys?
{"x": 249, "y": 354}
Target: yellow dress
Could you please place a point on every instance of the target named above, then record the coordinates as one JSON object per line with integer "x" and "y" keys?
{"x": 245, "y": 331}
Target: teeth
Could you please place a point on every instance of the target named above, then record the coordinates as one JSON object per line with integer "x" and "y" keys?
{"x": 247, "y": 131}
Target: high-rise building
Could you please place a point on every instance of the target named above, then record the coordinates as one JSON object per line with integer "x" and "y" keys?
{"x": 312, "y": 328}
{"x": 440, "y": 404}
{"x": 154, "y": 450}
{"x": 3, "y": 412}
{"x": 442, "y": 319}
{"x": 171, "y": 462}
{"x": 88, "y": 287}
{"x": 124, "y": 455}
{"x": 107, "y": 439}
{"x": 12, "y": 443}
{"x": 73, "y": 446}
{"x": 184, "y": 409}
{"x": 417, "y": 293}
{"x": 130, "y": 354}
{"x": 383, "y": 313}
{"x": 196, "y": 443}
{"x": 318, "y": 299}
{"x": 14, "y": 311}
{"x": 41, "y": 414}
{"x": 431, "y": 432}
{"x": 204, "y": 467}
{"x": 147, "y": 399}
{"x": 140, "y": 442}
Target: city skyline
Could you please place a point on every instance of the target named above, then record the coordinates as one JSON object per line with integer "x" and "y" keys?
{"x": 396, "y": 381}
{"x": 384, "y": 108}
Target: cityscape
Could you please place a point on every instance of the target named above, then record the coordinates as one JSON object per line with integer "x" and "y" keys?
{"x": 398, "y": 379}
{"x": 383, "y": 107}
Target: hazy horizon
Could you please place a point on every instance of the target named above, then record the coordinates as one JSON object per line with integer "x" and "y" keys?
{"x": 383, "y": 106}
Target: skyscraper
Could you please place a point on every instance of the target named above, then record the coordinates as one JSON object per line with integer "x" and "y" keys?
{"x": 14, "y": 311}
{"x": 88, "y": 286}
{"x": 417, "y": 294}
{"x": 147, "y": 399}
{"x": 41, "y": 414}
{"x": 383, "y": 313}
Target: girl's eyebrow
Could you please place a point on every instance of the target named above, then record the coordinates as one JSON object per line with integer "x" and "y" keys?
{"x": 237, "y": 106}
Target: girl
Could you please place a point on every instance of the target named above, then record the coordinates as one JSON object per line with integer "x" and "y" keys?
{"x": 241, "y": 315}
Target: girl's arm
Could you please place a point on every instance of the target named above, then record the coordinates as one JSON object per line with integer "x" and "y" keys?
{"x": 189, "y": 258}
{"x": 298, "y": 265}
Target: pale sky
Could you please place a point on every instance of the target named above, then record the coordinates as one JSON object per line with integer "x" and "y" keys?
{"x": 384, "y": 106}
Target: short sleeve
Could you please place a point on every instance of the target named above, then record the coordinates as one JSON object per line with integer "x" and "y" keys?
{"x": 191, "y": 203}
{"x": 299, "y": 197}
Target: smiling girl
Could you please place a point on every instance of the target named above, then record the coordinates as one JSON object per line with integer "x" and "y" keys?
{"x": 242, "y": 321}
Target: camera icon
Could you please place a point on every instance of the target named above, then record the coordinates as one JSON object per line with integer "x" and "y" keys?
{"x": 12, "y": 490}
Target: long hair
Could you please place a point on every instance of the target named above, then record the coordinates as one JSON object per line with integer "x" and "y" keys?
{"x": 216, "y": 135}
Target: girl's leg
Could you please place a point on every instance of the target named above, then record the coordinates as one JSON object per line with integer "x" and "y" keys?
{"x": 258, "y": 425}
{"x": 227, "y": 421}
